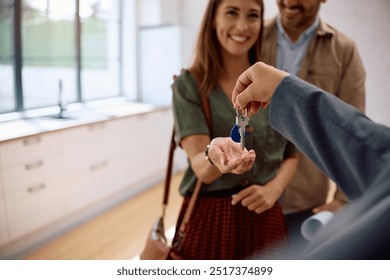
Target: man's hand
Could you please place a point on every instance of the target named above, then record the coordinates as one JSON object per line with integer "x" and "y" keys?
{"x": 333, "y": 206}
{"x": 254, "y": 87}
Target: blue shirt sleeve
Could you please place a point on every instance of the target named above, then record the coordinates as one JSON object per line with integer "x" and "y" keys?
{"x": 339, "y": 139}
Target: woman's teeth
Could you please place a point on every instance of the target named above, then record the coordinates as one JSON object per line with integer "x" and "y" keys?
{"x": 239, "y": 39}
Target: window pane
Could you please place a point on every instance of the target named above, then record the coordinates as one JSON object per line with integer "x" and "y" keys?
{"x": 129, "y": 47}
{"x": 100, "y": 75}
{"x": 7, "y": 95}
{"x": 48, "y": 51}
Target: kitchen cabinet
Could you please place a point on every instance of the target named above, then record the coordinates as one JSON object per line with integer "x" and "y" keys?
{"x": 147, "y": 142}
{"x": 32, "y": 207}
{"x": 91, "y": 143}
{"x": 29, "y": 149}
{"x": 51, "y": 179}
{"x": 93, "y": 162}
{"x": 4, "y": 237}
{"x": 31, "y": 170}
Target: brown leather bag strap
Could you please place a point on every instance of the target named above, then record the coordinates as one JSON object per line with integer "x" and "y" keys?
{"x": 167, "y": 183}
{"x": 168, "y": 174}
{"x": 182, "y": 229}
{"x": 205, "y": 102}
{"x": 187, "y": 216}
{"x": 207, "y": 112}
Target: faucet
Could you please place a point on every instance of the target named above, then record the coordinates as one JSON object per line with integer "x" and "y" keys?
{"x": 60, "y": 101}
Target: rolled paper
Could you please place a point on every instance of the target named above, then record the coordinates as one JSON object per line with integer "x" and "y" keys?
{"x": 312, "y": 225}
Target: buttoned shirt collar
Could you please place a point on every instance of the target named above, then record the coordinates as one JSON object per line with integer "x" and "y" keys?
{"x": 307, "y": 33}
{"x": 289, "y": 54}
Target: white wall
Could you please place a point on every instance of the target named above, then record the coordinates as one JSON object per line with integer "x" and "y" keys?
{"x": 364, "y": 21}
{"x": 158, "y": 12}
{"x": 367, "y": 22}
{"x": 159, "y": 49}
{"x": 191, "y": 17}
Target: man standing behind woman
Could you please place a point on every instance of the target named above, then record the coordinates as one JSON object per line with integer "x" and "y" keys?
{"x": 298, "y": 42}
{"x": 229, "y": 42}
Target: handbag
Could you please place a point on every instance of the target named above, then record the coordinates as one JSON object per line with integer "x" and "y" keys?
{"x": 157, "y": 246}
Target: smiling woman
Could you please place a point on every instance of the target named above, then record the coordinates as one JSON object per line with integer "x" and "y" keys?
{"x": 229, "y": 42}
{"x": 237, "y": 28}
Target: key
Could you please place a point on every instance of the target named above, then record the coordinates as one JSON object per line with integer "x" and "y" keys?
{"x": 235, "y": 132}
{"x": 242, "y": 121}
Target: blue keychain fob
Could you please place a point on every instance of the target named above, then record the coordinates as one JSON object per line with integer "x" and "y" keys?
{"x": 235, "y": 134}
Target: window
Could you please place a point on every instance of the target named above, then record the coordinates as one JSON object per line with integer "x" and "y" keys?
{"x": 48, "y": 52}
{"x": 7, "y": 96}
{"x": 68, "y": 51}
{"x": 100, "y": 52}
{"x": 73, "y": 51}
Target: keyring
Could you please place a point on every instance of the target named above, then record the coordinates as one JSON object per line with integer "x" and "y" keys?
{"x": 239, "y": 112}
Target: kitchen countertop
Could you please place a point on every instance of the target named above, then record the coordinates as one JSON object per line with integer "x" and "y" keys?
{"x": 34, "y": 125}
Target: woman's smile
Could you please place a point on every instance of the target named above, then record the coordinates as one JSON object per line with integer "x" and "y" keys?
{"x": 239, "y": 38}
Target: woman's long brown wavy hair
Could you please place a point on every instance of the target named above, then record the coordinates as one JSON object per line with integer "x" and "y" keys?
{"x": 207, "y": 64}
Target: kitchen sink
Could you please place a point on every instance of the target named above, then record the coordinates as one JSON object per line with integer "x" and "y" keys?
{"x": 63, "y": 116}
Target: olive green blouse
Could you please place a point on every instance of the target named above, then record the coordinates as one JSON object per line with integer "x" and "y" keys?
{"x": 270, "y": 147}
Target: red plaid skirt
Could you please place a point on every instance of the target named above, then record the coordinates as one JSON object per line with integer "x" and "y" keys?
{"x": 218, "y": 230}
